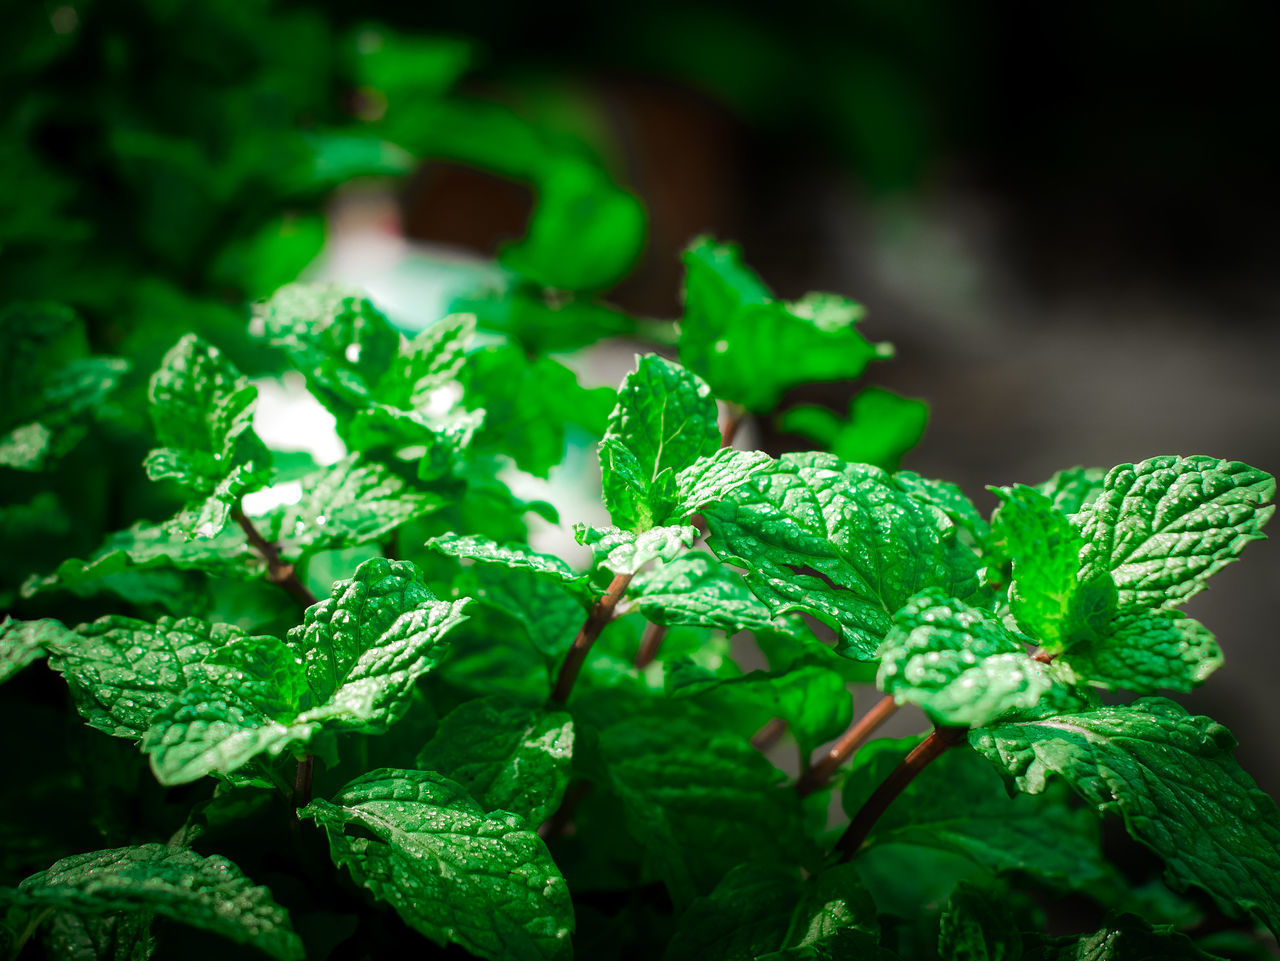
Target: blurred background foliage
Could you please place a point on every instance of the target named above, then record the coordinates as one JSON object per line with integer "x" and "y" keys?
{"x": 1064, "y": 216}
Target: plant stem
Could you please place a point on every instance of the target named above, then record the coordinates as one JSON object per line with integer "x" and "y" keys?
{"x": 278, "y": 572}
{"x": 33, "y": 923}
{"x": 600, "y": 615}
{"x": 921, "y": 756}
{"x": 650, "y": 642}
{"x": 302, "y": 780}
{"x": 735, "y": 415}
{"x": 654, "y": 633}
{"x": 769, "y": 735}
{"x": 843, "y": 749}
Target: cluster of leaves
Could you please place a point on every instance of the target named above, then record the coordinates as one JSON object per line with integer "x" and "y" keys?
{"x": 369, "y": 657}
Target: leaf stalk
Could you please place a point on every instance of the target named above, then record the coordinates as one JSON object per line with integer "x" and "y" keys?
{"x": 924, "y": 754}
{"x": 819, "y": 774}
{"x": 601, "y": 614}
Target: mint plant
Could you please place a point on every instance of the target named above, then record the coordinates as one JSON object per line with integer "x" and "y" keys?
{"x": 340, "y": 710}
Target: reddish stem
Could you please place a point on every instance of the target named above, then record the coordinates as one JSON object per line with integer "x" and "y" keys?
{"x": 278, "y": 572}
{"x": 601, "y": 614}
{"x": 843, "y": 749}
{"x": 769, "y": 735}
{"x": 921, "y": 757}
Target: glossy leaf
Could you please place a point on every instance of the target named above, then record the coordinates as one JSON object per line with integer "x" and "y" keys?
{"x": 1163, "y": 526}
{"x": 123, "y": 672}
{"x": 335, "y": 336}
{"x": 1171, "y": 777}
{"x": 812, "y": 698}
{"x": 209, "y": 893}
{"x": 484, "y": 551}
{"x": 351, "y": 666}
{"x": 25, "y": 642}
{"x": 244, "y": 704}
{"x": 455, "y": 874}
{"x": 664, "y": 421}
{"x": 843, "y": 542}
{"x": 699, "y": 590}
{"x": 624, "y": 552}
{"x": 1145, "y": 652}
{"x": 958, "y": 663}
{"x": 1126, "y": 938}
{"x": 1074, "y": 489}
{"x": 714, "y": 478}
{"x": 971, "y": 525}
{"x": 354, "y": 501}
{"x": 202, "y": 409}
{"x": 507, "y": 756}
{"x": 1050, "y": 601}
{"x": 364, "y": 646}
{"x": 105, "y": 937}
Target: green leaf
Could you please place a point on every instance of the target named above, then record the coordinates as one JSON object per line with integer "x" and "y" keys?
{"x": 484, "y": 551}
{"x": 951, "y": 500}
{"x": 106, "y": 937}
{"x": 365, "y": 646}
{"x": 665, "y": 420}
{"x": 733, "y": 333}
{"x": 585, "y": 232}
{"x": 1074, "y": 489}
{"x": 351, "y": 666}
{"x": 713, "y": 478}
{"x": 354, "y": 501}
{"x": 49, "y": 382}
{"x": 843, "y": 542}
{"x": 209, "y": 893}
{"x": 202, "y": 409}
{"x": 882, "y": 426}
{"x": 452, "y": 872}
{"x": 336, "y": 337}
{"x": 529, "y": 403}
{"x": 697, "y": 589}
{"x": 748, "y": 914}
{"x": 958, "y": 663}
{"x": 758, "y": 911}
{"x": 24, "y": 642}
{"x": 1049, "y": 600}
{"x": 813, "y": 699}
{"x": 959, "y": 807}
{"x": 429, "y": 362}
{"x": 507, "y": 756}
{"x": 543, "y": 321}
{"x": 1126, "y": 938}
{"x": 624, "y": 552}
{"x": 245, "y": 704}
{"x": 1146, "y": 651}
{"x": 142, "y": 563}
{"x": 123, "y": 672}
{"x": 976, "y": 926}
{"x": 1171, "y": 777}
{"x": 698, "y": 798}
{"x": 1163, "y": 526}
